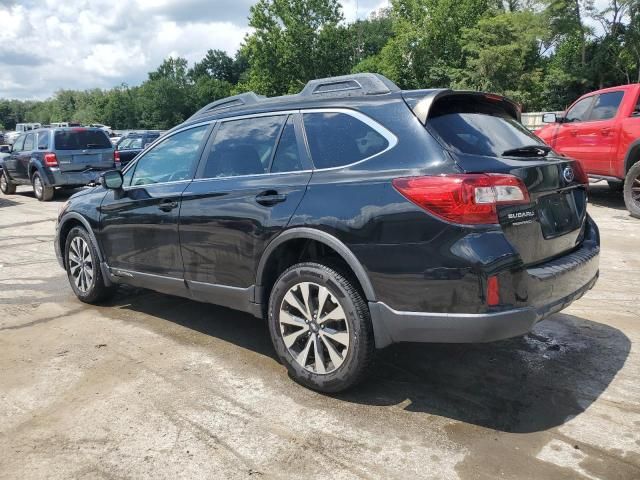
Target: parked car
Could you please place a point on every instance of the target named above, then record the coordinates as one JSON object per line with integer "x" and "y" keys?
{"x": 5, "y": 151}
{"x": 133, "y": 143}
{"x": 20, "y": 128}
{"x": 56, "y": 157}
{"x": 602, "y": 131}
{"x": 351, "y": 216}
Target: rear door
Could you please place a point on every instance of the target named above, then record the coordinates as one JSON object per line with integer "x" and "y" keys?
{"x": 251, "y": 179}
{"x": 79, "y": 149}
{"x": 139, "y": 229}
{"x": 478, "y": 137}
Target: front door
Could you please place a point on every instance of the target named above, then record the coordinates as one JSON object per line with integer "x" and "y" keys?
{"x": 252, "y": 177}
{"x": 139, "y": 225}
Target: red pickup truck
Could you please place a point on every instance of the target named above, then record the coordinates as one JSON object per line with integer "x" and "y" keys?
{"x": 602, "y": 130}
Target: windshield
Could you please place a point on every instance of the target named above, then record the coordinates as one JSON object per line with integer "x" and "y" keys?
{"x": 81, "y": 140}
{"x": 481, "y": 133}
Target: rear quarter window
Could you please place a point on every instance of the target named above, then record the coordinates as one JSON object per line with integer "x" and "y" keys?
{"x": 43, "y": 140}
{"x": 339, "y": 139}
{"x": 79, "y": 139}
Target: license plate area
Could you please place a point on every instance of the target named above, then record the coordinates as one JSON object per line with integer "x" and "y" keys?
{"x": 560, "y": 213}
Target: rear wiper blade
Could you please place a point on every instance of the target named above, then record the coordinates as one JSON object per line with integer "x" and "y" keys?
{"x": 528, "y": 151}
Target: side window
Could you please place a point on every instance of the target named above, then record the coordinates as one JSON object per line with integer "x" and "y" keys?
{"x": 243, "y": 147}
{"x": 29, "y": 143}
{"x": 287, "y": 157}
{"x": 19, "y": 143}
{"x": 171, "y": 160}
{"x": 606, "y": 106}
{"x": 578, "y": 112}
{"x": 636, "y": 110}
{"x": 43, "y": 140}
{"x": 338, "y": 139}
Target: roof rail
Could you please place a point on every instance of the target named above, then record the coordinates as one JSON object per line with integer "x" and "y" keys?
{"x": 350, "y": 85}
{"x": 235, "y": 101}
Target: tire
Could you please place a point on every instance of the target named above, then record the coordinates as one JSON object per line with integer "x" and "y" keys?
{"x": 615, "y": 186}
{"x": 42, "y": 191}
{"x": 91, "y": 287}
{"x": 632, "y": 190}
{"x": 6, "y": 185}
{"x": 343, "y": 341}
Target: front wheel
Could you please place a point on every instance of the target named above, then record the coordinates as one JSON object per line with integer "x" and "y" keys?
{"x": 632, "y": 190}
{"x": 83, "y": 268}
{"x": 43, "y": 192}
{"x": 320, "y": 327}
{"x": 6, "y": 185}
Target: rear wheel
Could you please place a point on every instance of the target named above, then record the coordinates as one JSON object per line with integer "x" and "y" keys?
{"x": 320, "y": 327}
{"x": 43, "y": 192}
{"x": 632, "y": 190}
{"x": 6, "y": 185}
{"x": 83, "y": 268}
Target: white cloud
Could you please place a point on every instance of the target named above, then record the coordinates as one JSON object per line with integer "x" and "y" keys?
{"x": 76, "y": 44}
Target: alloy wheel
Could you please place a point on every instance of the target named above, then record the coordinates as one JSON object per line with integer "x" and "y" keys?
{"x": 635, "y": 190}
{"x": 37, "y": 185}
{"x": 81, "y": 264}
{"x": 314, "y": 328}
{"x": 3, "y": 182}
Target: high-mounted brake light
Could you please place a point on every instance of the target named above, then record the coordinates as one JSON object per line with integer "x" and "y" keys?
{"x": 470, "y": 199}
{"x": 50, "y": 160}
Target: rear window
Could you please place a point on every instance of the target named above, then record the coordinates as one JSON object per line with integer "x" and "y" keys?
{"x": 338, "y": 139}
{"x": 81, "y": 140}
{"x": 481, "y": 130}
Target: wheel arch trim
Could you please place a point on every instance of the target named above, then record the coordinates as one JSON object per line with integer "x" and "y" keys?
{"x": 324, "y": 238}
{"x": 67, "y": 217}
{"x": 632, "y": 156}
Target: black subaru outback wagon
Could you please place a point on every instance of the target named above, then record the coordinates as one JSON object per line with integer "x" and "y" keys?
{"x": 351, "y": 216}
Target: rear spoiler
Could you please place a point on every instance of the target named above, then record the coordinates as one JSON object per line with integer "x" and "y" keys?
{"x": 422, "y": 101}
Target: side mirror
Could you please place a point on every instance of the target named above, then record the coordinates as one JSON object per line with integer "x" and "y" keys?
{"x": 549, "y": 118}
{"x": 112, "y": 180}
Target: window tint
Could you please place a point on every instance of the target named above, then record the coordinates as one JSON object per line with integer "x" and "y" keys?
{"x": 578, "y": 112}
{"x": 243, "y": 147}
{"x": 171, "y": 160}
{"x": 606, "y": 106}
{"x": 337, "y": 139}
{"x": 287, "y": 158}
{"x": 18, "y": 144}
{"x": 81, "y": 139}
{"x": 43, "y": 140}
{"x": 481, "y": 133}
{"x": 636, "y": 111}
{"x": 29, "y": 143}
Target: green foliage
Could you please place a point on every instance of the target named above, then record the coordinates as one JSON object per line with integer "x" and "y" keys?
{"x": 543, "y": 53}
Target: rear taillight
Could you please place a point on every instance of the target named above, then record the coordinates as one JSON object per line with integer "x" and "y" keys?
{"x": 464, "y": 198}
{"x": 50, "y": 160}
{"x": 580, "y": 175}
{"x": 116, "y": 158}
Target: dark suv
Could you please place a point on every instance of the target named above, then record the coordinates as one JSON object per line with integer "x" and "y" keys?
{"x": 56, "y": 157}
{"x": 351, "y": 216}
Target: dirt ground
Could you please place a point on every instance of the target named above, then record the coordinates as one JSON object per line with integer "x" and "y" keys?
{"x": 161, "y": 387}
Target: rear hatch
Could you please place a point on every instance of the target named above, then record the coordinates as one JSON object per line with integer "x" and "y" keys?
{"x": 80, "y": 149}
{"x": 482, "y": 134}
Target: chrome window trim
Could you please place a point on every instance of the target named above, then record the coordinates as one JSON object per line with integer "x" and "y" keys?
{"x": 158, "y": 140}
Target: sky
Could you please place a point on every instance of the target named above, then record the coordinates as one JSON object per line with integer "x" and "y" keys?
{"x": 47, "y": 45}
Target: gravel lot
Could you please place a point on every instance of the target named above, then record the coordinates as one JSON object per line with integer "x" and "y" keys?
{"x": 157, "y": 386}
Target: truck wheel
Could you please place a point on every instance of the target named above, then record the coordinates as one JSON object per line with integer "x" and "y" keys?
{"x": 632, "y": 190}
{"x": 83, "y": 268}
{"x": 6, "y": 185}
{"x": 43, "y": 192}
{"x": 615, "y": 186}
{"x": 320, "y": 327}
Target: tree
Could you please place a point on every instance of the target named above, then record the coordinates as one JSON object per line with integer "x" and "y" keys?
{"x": 216, "y": 64}
{"x": 293, "y": 41}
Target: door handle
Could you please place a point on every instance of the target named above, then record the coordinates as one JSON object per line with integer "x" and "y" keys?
{"x": 167, "y": 205}
{"x": 573, "y": 132}
{"x": 270, "y": 197}
{"x": 606, "y": 131}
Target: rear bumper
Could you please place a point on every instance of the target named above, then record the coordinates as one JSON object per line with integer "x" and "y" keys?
{"x": 551, "y": 287}
{"x": 56, "y": 178}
